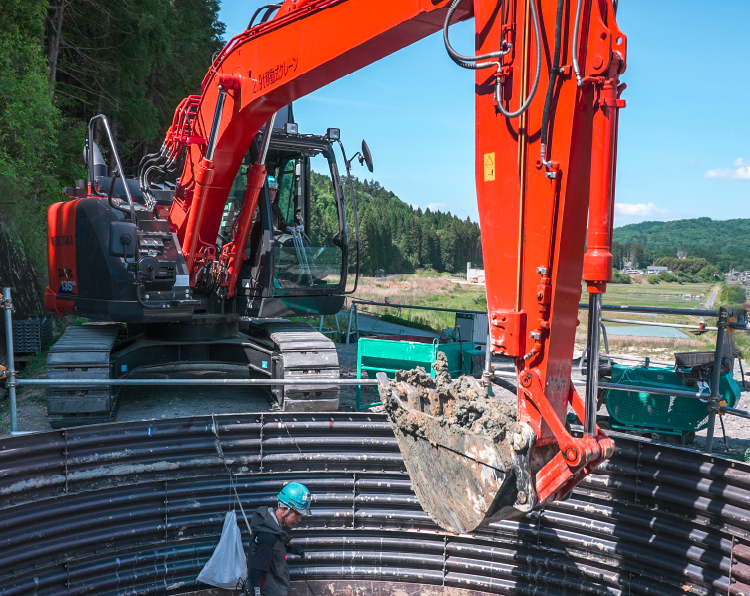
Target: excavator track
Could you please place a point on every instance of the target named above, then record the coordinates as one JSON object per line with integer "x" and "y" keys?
{"x": 83, "y": 352}
{"x": 285, "y": 349}
{"x": 274, "y": 348}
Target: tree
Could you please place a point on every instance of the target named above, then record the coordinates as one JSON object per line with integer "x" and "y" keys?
{"x": 733, "y": 294}
{"x": 688, "y": 265}
{"x": 448, "y": 247}
{"x": 133, "y": 60}
{"x": 30, "y": 127}
{"x": 710, "y": 272}
{"x": 62, "y": 62}
{"x": 415, "y": 241}
{"x": 425, "y": 250}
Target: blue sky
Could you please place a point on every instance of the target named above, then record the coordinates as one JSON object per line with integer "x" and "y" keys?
{"x": 684, "y": 146}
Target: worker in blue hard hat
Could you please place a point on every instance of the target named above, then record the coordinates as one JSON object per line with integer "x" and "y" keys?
{"x": 268, "y": 573}
{"x": 279, "y": 222}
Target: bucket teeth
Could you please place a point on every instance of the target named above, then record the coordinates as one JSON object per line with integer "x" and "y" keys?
{"x": 468, "y": 457}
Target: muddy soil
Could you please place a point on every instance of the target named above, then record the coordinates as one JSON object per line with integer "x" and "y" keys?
{"x": 461, "y": 403}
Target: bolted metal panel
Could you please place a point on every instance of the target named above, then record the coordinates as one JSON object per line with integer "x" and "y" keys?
{"x": 138, "y": 508}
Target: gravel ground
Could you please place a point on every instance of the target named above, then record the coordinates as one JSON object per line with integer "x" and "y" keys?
{"x": 149, "y": 403}
{"x": 139, "y": 403}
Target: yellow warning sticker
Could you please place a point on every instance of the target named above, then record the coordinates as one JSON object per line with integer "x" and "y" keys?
{"x": 489, "y": 167}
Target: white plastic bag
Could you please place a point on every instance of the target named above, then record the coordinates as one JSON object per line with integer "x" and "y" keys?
{"x": 227, "y": 567}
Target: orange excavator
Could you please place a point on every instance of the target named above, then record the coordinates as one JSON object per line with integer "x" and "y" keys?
{"x": 547, "y": 102}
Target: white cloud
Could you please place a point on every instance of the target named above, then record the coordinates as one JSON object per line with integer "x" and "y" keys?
{"x": 436, "y": 206}
{"x": 740, "y": 171}
{"x": 638, "y": 209}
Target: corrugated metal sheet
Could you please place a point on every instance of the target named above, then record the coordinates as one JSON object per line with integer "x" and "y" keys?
{"x": 137, "y": 508}
{"x": 481, "y": 328}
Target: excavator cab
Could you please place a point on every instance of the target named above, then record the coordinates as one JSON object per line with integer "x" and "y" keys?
{"x": 309, "y": 237}
{"x": 298, "y": 252}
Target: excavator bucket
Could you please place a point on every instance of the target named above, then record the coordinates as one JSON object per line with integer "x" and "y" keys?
{"x": 470, "y": 461}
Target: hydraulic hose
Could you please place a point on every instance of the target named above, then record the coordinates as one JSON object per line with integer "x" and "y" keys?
{"x": 142, "y": 302}
{"x": 576, "y": 30}
{"x": 271, "y": 10}
{"x": 150, "y": 162}
{"x": 467, "y": 61}
{"x": 267, "y": 8}
{"x": 553, "y": 74}
{"x": 527, "y": 103}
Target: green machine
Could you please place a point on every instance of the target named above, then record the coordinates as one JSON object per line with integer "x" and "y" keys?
{"x": 665, "y": 414}
{"x": 392, "y": 353}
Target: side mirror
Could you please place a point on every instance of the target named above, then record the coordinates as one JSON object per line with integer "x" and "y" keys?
{"x": 366, "y": 156}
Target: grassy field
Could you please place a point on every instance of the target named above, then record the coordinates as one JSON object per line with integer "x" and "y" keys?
{"x": 429, "y": 289}
{"x": 440, "y": 291}
{"x": 672, "y": 295}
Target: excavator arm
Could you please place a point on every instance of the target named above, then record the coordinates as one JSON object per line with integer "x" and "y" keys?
{"x": 547, "y": 102}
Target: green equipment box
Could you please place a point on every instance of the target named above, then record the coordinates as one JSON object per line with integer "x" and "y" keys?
{"x": 642, "y": 411}
{"x": 392, "y": 353}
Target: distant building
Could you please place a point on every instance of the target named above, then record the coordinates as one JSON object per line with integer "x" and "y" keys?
{"x": 475, "y": 276}
{"x": 631, "y": 271}
{"x": 654, "y": 270}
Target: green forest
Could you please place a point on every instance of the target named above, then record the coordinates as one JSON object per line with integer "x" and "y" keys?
{"x": 722, "y": 244}
{"x": 64, "y": 61}
{"x": 395, "y": 237}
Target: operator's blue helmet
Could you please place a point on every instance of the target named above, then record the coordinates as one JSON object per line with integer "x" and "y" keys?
{"x": 272, "y": 183}
{"x": 296, "y": 496}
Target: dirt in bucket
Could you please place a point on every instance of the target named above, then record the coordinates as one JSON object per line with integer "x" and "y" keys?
{"x": 458, "y": 404}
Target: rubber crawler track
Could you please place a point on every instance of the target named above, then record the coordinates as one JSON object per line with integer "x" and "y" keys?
{"x": 137, "y": 508}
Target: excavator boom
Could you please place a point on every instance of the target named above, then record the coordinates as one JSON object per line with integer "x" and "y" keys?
{"x": 547, "y": 100}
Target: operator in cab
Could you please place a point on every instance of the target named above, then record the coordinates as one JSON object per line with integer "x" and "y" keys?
{"x": 279, "y": 222}
{"x": 267, "y": 570}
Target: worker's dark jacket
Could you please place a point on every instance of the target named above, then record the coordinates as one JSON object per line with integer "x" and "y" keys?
{"x": 279, "y": 223}
{"x": 268, "y": 552}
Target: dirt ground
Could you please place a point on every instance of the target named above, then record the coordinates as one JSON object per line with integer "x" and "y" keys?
{"x": 141, "y": 403}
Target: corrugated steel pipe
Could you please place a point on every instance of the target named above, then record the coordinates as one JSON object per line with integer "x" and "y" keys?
{"x": 137, "y": 508}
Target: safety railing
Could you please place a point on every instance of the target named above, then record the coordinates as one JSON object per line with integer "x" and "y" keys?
{"x": 354, "y": 312}
{"x": 713, "y": 399}
{"x": 10, "y": 375}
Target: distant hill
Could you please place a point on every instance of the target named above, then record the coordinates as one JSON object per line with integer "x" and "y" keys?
{"x": 724, "y": 243}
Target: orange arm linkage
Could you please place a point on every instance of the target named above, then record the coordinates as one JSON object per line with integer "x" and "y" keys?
{"x": 533, "y": 200}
